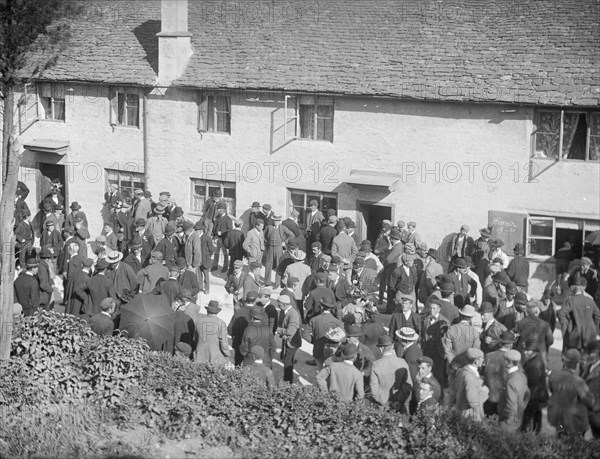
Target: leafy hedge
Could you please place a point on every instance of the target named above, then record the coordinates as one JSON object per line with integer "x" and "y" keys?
{"x": 115, "y": 383}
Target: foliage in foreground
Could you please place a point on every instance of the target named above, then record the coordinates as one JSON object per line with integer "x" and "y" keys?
{"x": 120, "y": 383}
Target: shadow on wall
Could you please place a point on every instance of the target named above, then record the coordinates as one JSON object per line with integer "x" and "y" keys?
{"x": 146, "y": 35}
{"x": 280, "y": 133}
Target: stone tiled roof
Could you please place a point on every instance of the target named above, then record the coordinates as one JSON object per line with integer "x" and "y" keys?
{"x": 523, "y": 51}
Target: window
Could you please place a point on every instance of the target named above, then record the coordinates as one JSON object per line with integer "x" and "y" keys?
{"x": 127, "y": 182}
{"x": 204, "y": 189}
{"x": 309, "y": 117}
{"x": 546, "y": 235}
{"x": 124, "y": 107}
{"x": 300, "y": 200}
{"x": 52, "y": 101}
{"x": 214, "y": 113}
{"x": 561, "y": 134}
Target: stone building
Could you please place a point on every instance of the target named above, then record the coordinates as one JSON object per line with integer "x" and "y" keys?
{"x": 438, "y": 113}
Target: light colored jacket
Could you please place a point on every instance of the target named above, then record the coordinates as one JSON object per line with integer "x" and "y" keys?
{"x": 344, "y": 247}
{"x": 470, "y": 393}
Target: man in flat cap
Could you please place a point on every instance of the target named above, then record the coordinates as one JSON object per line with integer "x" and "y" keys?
{"x": 471, "y": 394}
{"x": 149, "y": 276}
{"x": 515, "y": 394}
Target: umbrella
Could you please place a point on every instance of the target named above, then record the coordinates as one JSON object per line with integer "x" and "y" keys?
{"x": 593, "y": 238}
{"x": 150, "y": 317}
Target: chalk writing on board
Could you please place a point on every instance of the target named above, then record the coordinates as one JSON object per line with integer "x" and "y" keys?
{"x": 504, "y": 226}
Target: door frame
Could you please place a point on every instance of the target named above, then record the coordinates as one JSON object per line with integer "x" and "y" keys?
{"x": 362, "y": 229}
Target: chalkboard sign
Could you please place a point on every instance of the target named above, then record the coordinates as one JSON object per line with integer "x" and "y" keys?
{"x": 509, "y": 227}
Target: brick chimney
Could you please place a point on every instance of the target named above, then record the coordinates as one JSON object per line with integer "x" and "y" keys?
{"x": 174, "y": 41}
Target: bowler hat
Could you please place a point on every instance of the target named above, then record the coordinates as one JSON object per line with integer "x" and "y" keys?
{"x": 147, "y": 194}
{"x": 521, "y": 298}
{"x": 32, "y": 262}
{"x": 255, "y": 204}
{"x": 384, "y": 340}
{"x": 292, "y": 245}
{"x": 213, "y": 307}
{"x": 341, "y": 224}
{"x": 572, "y": 356}
{"x": 511, "y": 288}
{"x": 460, "y": 263}
{"x": 186, "y": 226}
{"x": 292, "y": 280}
{"x": 385, "y": 226}
{"x": 395, "y": 234}
{"x": 181, "y": 263}
{"x": 169, "y": 230}
{"x": 88, "y": 262}
{"x": 507, "y": 337}
{"x": 354, "y": 331}
{"x": 327, "y": 303}
{"x": 350, "y": 224}
{"x": 432, "y": 253}
{"x": 199, "y": 225}
{"x": 333, "y": 269}
{"x": 177, "y": 212}
{"x": 186, "y": 294}
{"x": 140, "y": 222}
{"x": 593, "y": 347}
{"x": 321, "y": 277}
{"x": 501, "y": 278}
{"x": 486, "y": 307}
{"x": 75, "y": 206}
{"x": 222, "y": 205}
{"x": 350, "y": 350}
{"x": 217, "y": 193}
{"x": 46, "y": 252}
{"x": 336, "y": 260}
{"x": 101, "y": 264}
{"x": 257, "y": 352}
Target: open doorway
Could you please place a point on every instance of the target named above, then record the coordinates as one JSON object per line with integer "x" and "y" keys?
{"x": 370, "y": 218}
{"x": 48, "y": 173}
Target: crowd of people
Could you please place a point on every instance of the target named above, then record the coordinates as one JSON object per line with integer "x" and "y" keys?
{"x": 469, "y": 336}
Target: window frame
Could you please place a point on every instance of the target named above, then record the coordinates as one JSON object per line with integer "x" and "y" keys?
{"x": 558, "y": 222}
{"x": 294, "y": 101}
{"x": 562, "y": 111}
{"x": 529, "y": 237}
{"x": 113, "y": 97}
{"x": 54, "y": 91}
{"x": 123, "y": 176}
{"x": 222, "y": 185}
{"x": 208, "y": 113}
{"x": 320, "y": 194}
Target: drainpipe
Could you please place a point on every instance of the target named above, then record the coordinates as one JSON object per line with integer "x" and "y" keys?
{"x": 145, "y": 138}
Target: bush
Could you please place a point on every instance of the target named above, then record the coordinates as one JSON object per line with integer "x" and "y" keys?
{"x": 116, "y": 380}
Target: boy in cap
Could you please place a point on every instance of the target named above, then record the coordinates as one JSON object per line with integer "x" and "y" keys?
{"x": 258, "y": 369}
